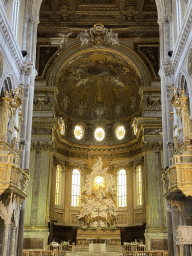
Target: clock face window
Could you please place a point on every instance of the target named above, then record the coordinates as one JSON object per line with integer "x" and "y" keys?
{"x": 99, "y": 134}
{"x": 78, "y": 132}
{"x": 120, "y": 132}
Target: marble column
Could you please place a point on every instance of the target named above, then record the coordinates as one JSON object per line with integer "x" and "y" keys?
{"x": 68, "y": 184}
{"x": 13, "y": 239}
{"x": 36, "y": 182}
{"x": 170, "y": 230}
{"x": 169, "y": 120}
{"x": 155, "y": 205}
{"x": 6, "y": 238}
{"x": 175, "y": 224}
{"x": 21, "y": 230}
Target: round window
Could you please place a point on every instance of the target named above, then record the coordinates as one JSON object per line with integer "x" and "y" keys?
{"x": 99, "y": 134}
{"x": 78, "y": 132}
{"x": 120, "y": 132}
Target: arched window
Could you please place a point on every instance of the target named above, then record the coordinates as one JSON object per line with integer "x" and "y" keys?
{"x": 58, "y": 185}
{"x": 15, "y": 15}
{"x": 75, "y": 196}
{"x": 139, "y": 185}
{"x": 122, "y": 188}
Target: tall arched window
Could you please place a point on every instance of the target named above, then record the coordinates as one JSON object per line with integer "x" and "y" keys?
{"x": 139, "y": 185}
{"x": 15, "y": 15}
{"x": 58, "y": 185}
{"x": 122, "y": 188}
{"x": 75, "y": 196}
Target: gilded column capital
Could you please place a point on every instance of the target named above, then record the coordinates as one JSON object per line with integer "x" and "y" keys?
{"x": 43, "y": 145}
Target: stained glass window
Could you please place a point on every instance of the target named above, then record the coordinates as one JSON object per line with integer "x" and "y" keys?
{"x": 75, "y": 195}
{"x": 78, "y": 132}
{"x": 58, "y": 185}
{"x": 99, "y": 134}
{"x": 120, "y": 132}
{"x": 122, "y": 188}
{"x": 139, "y": 186}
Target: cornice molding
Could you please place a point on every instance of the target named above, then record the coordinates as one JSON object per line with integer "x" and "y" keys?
{"x": 10, "y": 40}
{"x": 186, "y": 28}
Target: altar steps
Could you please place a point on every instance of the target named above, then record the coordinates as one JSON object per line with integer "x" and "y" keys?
{"x": 94, "y": 254}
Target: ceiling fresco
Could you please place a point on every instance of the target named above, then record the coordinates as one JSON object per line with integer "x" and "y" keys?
{"x": 98, "y": 85}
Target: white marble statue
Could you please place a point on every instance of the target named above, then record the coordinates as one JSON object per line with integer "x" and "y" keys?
{"x": 99, "y": 196}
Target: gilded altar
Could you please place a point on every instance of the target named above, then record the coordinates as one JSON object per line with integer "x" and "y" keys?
{"x": 108, "y": 236}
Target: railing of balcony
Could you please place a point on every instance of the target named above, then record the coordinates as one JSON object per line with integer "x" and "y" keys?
{"x": 180, "y": 159}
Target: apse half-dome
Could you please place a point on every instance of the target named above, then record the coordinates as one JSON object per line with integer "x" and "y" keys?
{"x": 98, "y": 86}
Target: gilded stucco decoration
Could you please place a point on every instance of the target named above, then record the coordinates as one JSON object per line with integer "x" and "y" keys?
{"x": 99, "y": 37}
{"x": 100, "y": 86}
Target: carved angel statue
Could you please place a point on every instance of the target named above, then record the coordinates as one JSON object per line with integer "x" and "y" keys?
{"x": 112, "y": 38}
{"x": 64, "y": 39}
{"x": 84, "y": 38}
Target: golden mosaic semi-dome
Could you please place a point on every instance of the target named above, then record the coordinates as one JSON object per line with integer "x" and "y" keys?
{"x": 98, "y": 86}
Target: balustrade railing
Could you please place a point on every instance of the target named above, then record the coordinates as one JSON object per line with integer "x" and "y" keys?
{"x": 146, "y": 253}
{"x": 43, "y": 253}
{"x": 63, "y": 253}
{"x": 180, "y": 159}
{"x": 179, "y": 174}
